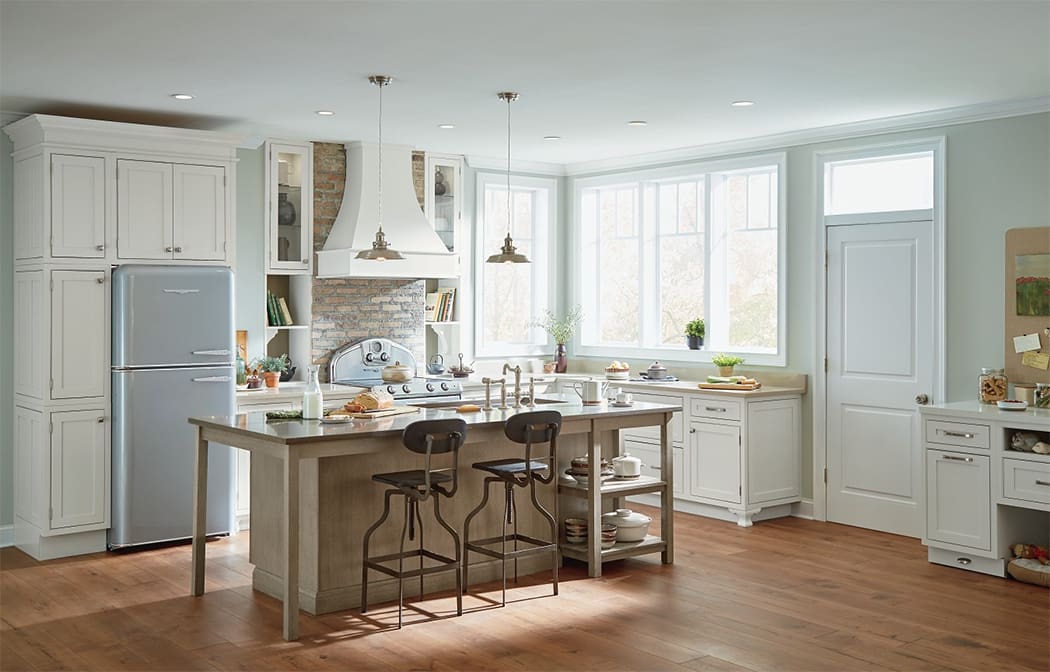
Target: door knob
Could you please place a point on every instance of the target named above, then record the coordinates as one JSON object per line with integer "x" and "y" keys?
{"x": 922, "y": 399}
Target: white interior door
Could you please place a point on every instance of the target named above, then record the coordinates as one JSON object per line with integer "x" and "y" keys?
{"x": 881, "y": 333}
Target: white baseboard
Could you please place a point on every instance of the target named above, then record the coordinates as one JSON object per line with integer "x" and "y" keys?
{"x": 7, "y": 535}
{"x": 803, "y": 509}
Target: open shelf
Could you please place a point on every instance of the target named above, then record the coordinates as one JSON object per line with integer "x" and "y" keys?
{"x": 622, "y": 549}
{"x": 614, "y": 488}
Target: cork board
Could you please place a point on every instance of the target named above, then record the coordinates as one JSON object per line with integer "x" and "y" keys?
{"x": 1027, "y": 257}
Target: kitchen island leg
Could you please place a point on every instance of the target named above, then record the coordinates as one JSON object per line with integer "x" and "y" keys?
{"x": 291, "y": 544}
{"x": 667, "y": 496}
{"x": 200, "y": 510}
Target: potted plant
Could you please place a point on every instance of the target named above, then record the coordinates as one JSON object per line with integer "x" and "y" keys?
{"x": 272, "y": 368}
{"x": 694, "y": 333}
{"x": 725, "y": 363}
{"x": 561, "y": 330}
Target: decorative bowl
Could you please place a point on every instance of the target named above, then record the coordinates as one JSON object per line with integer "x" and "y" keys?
{"x": 1012, "y": 404}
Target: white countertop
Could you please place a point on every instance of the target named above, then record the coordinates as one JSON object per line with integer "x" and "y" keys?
{"x": 293, "y": 390}
{"x": 1037, "y": 418}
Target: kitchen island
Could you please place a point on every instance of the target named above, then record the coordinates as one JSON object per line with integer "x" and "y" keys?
{"x": 307, "y": 528}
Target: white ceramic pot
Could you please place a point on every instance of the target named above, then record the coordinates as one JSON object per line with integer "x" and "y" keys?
{"x": 397, "y": 373}
{"x": 630, "y": 525}
{"x": 627, "y": 466}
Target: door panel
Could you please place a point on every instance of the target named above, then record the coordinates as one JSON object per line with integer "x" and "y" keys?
{"x": 78, "y": 206}
{"x": 144, "y": 210}
{"x": 880, "y": 356}
{"x": 79, "y": 323}
{"x": 79, "y": 469}
{"x": 200, "y": 212}
{"x": 714, "y": 462}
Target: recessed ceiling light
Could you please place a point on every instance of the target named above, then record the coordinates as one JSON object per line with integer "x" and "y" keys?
{"x": 742, "y": 103}
{"x": 446, "y": 126}
{"x": 325, "y": 113}
{"x": 182, "y": 96}
{"x": 552, "y": 137}
{"x": 637, "y": 122}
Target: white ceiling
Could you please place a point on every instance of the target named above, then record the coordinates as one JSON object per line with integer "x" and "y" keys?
{"x": 583, "y": 68}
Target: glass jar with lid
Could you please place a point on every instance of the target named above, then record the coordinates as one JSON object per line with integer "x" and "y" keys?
{"x": 991, "y": 386}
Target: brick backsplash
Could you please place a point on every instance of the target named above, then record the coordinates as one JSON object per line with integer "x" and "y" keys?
{"x": 348, "y": 309}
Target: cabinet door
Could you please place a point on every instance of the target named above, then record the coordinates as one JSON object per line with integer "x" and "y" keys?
{"x": 30, "y": 334}
{"x": 714, "y": 470}
{"x": 31, "y": 481}
{"x": 30, "y": 182}
{"x": 79, "y": 469}
{"x": 78, "y": 206}
{"x": 958, "y": 500}
{"x": 79, "y": 324}
{"x": 199, "y": 218}
{"x": 774, "y": 450}
{"x": 144, "y": 210}
{"x": 289, "y": 180}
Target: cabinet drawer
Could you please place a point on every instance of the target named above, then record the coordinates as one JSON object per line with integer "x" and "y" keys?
{"x": 1028, "y": 481}
{"x": 957, "y": 434}
{"x": 652, "y": 433}
{"x": 725, "y": 409}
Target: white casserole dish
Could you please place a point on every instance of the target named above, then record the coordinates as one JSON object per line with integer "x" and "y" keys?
{"x": 630, "y": 525}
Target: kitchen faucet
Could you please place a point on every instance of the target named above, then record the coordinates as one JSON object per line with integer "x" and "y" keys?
{"x": 517, "y": 382}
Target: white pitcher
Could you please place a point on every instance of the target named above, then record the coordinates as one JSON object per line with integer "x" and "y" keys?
{"x": 590, "y": 391}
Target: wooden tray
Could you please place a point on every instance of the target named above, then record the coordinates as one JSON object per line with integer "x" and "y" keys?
{"x": 397, "y": 410}
{"x": 743, "y": 387}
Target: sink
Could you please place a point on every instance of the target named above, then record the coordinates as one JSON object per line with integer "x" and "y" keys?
{"x": 480, "y": 402}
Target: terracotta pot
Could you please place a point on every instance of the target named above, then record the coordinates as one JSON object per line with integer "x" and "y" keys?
{"x": 725, "y": 370}
{"x": 272, "y": 378}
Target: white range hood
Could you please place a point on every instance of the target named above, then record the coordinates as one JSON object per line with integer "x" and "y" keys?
{"x": 406, "y": 229}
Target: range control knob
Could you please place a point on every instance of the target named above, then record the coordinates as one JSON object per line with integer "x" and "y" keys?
{"x": 369, "y": 357}
{"x": 430, "y": 387}
{"x": 406, "y": 388}
{"x": 444, "y": 386}
{"x": 391, "y": 389}
{"x": 384, "y": 356}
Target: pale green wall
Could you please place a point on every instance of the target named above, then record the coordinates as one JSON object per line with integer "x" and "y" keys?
{"x": 249, "y": 267}
{"x": 7, "y": 383}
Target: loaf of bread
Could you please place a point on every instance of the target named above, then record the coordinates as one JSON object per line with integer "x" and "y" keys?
{"x": 375, "y": 400}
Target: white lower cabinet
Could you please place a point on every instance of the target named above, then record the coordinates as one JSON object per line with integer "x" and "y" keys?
{"x": 79, "y": 469}
{"x": 957, "y": 499}
{"x": 714, "y": 455}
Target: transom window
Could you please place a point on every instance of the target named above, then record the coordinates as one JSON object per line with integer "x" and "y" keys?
{"x": 662, "y": 247}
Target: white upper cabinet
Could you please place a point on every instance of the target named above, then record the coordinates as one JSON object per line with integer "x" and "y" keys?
{"x": 78, "y": 206}
{"x": 290, "y": 210}
{"x": 170, "y": 211}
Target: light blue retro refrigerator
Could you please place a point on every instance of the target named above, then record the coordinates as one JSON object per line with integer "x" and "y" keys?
{"x": 173, "y": 357}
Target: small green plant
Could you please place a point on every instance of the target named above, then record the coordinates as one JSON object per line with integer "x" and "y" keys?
{"x": 561, "y": 330}
{"x": 722, "y": 359}
{"x": 274, "y": 364}
{"x": 695, "y": 328}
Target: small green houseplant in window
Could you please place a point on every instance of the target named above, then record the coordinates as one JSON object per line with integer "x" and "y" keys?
{"x": 694, "y": 333}
{"x": 272, "y": 368}
{"x": 725, "y": 363}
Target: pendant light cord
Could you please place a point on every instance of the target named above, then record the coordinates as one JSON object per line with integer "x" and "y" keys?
{"x": 509, "y": 209}
{"x": 381, "y": 156}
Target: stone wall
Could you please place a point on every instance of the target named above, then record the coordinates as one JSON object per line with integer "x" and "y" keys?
{"x": 349, "y": 309}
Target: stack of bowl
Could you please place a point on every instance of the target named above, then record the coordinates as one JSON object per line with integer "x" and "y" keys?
{"x": 575, "y": 531}
{"x": 608, "y": 535}
{"x": 579, "y": 471}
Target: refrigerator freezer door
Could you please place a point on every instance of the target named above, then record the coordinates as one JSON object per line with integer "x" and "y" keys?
{"x": 172, "y": 315}
{"x": 154, "y": 452}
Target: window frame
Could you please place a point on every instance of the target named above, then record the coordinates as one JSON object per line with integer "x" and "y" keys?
{"x": 541, "y": 261}
{"x": 639, "y": 179}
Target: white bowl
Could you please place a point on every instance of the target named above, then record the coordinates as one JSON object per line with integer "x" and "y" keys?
{"x": 1012, "y": 405}
{"x": 617, "y": 374}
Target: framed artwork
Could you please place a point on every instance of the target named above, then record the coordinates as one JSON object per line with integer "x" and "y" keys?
{"x": 1032, "y": 283}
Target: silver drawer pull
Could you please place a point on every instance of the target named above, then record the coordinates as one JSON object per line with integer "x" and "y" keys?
{"x": 655, "y": 468}
{"x": 963, "y": 561}
{"x": 714, "y": 408}
{"x": 213, "y": 379}
{"x": 211, "y": 352}
{"x": 958, "y": 459}
{"x": 1047, "y": 483}
{"x": 961, "y": 435}
{"x": 178, "y": 249}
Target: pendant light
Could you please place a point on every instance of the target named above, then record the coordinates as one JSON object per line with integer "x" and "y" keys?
{"x": 508, "y": 254}
{"x": 380, "y": 248}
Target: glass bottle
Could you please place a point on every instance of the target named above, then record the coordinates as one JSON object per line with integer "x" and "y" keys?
{"x": 991, "y": 386}
{"x": 242, "y": 371}
{"x": 312, "y": 401}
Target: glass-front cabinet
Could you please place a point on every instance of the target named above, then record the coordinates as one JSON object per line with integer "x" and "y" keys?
{"x": 289, "y": 180}
{"x": 446, "y": 298}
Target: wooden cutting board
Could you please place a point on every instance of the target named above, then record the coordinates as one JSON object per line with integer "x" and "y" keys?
{"x": 397, "y": 410}
{"x": 743, "y": 387}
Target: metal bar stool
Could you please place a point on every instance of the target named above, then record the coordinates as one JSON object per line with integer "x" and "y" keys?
{"x": 536, "y": 427}
{"x": 427, "y": 437}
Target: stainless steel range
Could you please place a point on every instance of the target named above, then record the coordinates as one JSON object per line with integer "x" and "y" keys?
{"x": 360, "y": 364}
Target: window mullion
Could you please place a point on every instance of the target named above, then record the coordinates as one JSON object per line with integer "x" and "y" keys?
{"x": 649, "y": 264}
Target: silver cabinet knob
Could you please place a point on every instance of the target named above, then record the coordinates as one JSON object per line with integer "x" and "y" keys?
{"x": 101, "y": 280}
{"x": 922, "y": 399}
{"x": 169, "y": 248}
{"x": 178, "y": 249}
{"x": 100, "y": 248}
{"x": 306, "y": 261}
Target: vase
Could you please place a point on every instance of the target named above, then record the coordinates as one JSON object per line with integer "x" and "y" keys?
{"x": 560, "y": 358}
{"x": 694, "y": 342}
{"x": 285, "y": 211}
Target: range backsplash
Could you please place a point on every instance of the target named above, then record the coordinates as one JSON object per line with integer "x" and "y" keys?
{"x": 348, "y": 309}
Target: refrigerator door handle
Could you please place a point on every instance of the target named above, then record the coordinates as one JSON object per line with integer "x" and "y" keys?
{"x": 211, "y": 352}
{"x": 213, "y": 379}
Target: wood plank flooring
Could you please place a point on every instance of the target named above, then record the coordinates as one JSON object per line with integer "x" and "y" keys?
{"x": 788, "y": 594}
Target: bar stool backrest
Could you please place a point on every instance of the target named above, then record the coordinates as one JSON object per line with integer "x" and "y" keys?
{"x": 536, "y": 427}
{"x": 435, "y": 437}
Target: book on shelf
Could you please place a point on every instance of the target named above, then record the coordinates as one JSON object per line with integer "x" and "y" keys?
{"x": 450, "y": 300}
{"x": 271, "y": 311}
{"x": 430, "y": 309}
{"x": 286, "y": 315}
{"x": 443, "y": 301}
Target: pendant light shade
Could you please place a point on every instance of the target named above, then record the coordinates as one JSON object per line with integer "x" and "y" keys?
{"x": 508, "y": 254}
{"x": 381, "y": 250}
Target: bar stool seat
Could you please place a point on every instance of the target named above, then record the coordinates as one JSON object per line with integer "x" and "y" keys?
{"x": 537, "y": 427}
{"x": 427, "y": 437}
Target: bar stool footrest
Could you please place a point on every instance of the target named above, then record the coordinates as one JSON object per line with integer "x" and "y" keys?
{"x": 447, "y": 564}
{"x": 538, "y": 546}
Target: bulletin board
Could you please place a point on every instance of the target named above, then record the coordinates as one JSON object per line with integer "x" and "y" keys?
{"x": 1027, "y": 304}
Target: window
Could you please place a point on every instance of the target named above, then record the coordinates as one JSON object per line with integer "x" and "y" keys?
{"x": 511, "y": 296}
{"x": 879, "y": 184}
{"x": 662, "y": 247}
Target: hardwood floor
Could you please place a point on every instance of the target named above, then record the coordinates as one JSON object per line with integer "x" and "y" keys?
{"x": 788, "y": 594}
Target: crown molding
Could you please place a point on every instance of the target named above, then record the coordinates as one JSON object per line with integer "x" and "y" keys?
{"x": 7, "y": 117}
{"x": 905, "y": 122}
{"x": 500, "y": 165}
